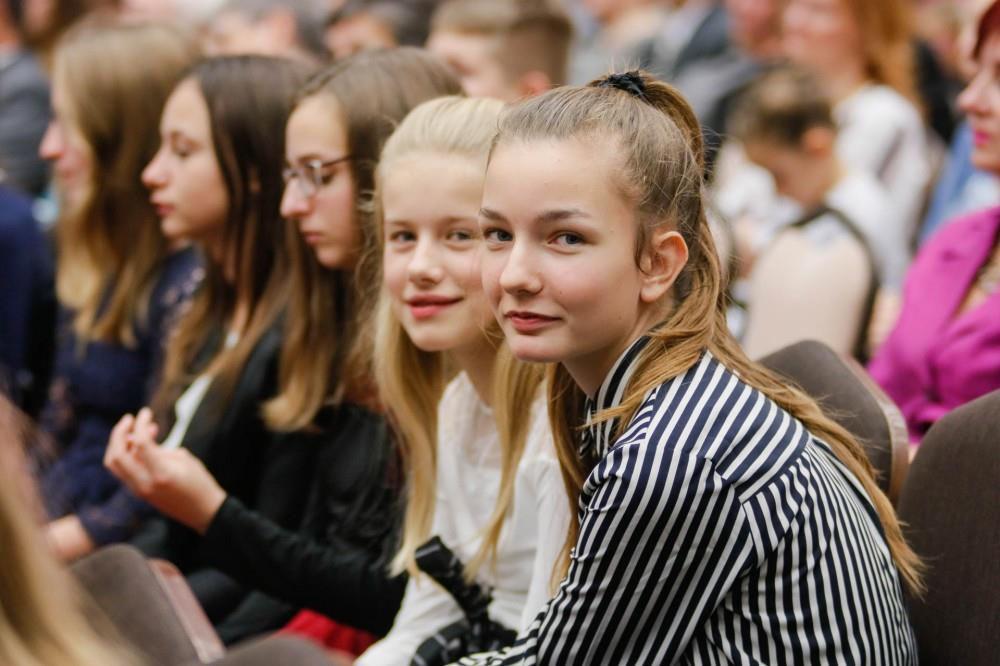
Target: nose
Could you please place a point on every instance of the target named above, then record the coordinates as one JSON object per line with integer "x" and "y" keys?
{"x": 519, "y": 276}
{"x": 294, "y": 205}
{"x": 424, "y": 267}
{"x": 973, "y": 99}
{"x": 53, "y": 144}
{"x": 154, "y": 175}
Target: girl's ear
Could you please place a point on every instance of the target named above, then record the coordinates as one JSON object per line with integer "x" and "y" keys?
{"x": 661, "y": 263}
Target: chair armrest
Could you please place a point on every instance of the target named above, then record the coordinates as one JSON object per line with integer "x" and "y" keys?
{"x": 190, "y": 613}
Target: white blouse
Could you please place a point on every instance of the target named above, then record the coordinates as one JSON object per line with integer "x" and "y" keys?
{"x": 468, "y": 469}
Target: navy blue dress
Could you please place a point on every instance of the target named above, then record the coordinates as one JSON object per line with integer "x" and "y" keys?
{"x": 27, "y": 303}
{"x": 92, "y": 389}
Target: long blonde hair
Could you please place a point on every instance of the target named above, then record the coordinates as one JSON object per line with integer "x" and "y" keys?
{"x": 116, "y": 79}
{"x": 660, "y": 143}
{"x": 42, "y": 612}
{"x": 887, "y": 35}
{"x": 411, "y": 381}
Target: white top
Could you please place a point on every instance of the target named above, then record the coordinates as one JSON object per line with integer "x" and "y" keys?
{"x": 469, "y": 461}
{"x": 189, "y": 401}
{"x": 882, "y": 133}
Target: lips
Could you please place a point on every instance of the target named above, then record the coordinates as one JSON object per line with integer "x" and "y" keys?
{"x": 980, "y": 137}
{"x": 529, "y": 322}
{"x": 162, "y": 209}
{"x": 427, "y": 306}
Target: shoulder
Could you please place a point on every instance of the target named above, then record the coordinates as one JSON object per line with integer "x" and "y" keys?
{"x": 977, "y": 227}
{"x": 878, "y": 102}
{"x": 709, "y": 421}
{"x": 179, "y": 278}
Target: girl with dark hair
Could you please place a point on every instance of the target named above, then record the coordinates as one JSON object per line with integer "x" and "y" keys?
{"x": 335, "y": 560}
{"x": 722, "y": 516}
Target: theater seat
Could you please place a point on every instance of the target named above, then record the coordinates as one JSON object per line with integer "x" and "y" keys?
{"x": 283, "y": 650}
{"x": 849, "y": 396}
{"x": 951, "y": 509}
{"x": 149, "y": 604}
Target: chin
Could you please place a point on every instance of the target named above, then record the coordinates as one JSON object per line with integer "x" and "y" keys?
{"x": 533, "y": 349}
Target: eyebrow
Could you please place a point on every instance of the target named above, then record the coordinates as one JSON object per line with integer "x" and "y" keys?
{"x": 555, "y": 215}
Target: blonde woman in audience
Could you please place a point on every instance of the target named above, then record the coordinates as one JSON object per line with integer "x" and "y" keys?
{"x": 45, "y": 620}
{"x": 121, "y": 281}
{"x": 723, "y": 518}
{"x": 482, "y": 477}
{"x": 336, "y": 562}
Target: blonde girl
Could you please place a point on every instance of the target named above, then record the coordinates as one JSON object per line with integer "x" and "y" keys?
{"x": 723, "y": 518}
{"x": 478, "y": 455}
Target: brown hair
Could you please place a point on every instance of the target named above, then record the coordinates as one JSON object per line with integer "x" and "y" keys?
{"x": 988, "y": 24}
{"x": 110, "y": 249}
{"x": 44, "y": 618}
{"x": 887, "y": 39}
{"x": 660, "y": 144}
{"x": 531, "y": 35}
{"x": 780, "y": 106}
{"x": 247, "y": 121}
{"x": 324, "y": 357}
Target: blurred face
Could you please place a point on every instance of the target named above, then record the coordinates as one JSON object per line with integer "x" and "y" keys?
{"x": 752, "y": 21}
{"x": 319, "y": 188}
{"x": 231, "y": 33}
{"x": 559, "y": 267}
{"x": 65, "y": 147}
{"x": 798, "y": 174}
{"x": 184, "y": 178}
{"x": 981, "y": 103}
{"x": 432, "y": 250}
{"x": 821, "y": 34}
{"x": 473, "y": 59}
{"x": 361, "y": 32}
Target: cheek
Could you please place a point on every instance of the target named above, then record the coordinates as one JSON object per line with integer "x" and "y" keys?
{"x": 335, "y": 207}
{"x": 491, "y": 266}
{"x": 394, "y": 271}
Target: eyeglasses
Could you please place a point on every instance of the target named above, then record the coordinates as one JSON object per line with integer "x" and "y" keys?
{"x": 311, "y": 175}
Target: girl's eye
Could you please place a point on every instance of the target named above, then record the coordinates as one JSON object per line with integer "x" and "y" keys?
{"x": 497, "y": 236}
{"x": 568, "y": 238}
{"x": 461, "y": 235}
{"x": 402, "y": 237}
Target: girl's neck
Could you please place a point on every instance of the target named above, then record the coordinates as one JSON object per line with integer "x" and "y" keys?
{"x": 477, "y": 361}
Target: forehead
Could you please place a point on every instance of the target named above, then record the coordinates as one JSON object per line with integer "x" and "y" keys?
{"x": 186, "y": 109}
{"x": 465, "y": 47}
{"x": 427, "y": 186}
{"x": 528, "y": 176}
{"x": 317, "y": 124}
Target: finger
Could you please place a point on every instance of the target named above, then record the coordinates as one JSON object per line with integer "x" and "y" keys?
{"x": 117, "y": 440}
{"x": 143, "y": 420}
{"x": 133, "y": 473}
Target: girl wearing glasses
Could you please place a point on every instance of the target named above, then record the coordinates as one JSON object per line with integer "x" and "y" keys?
{"x": 335, "y": 559}
{"x": 723, "y": 518}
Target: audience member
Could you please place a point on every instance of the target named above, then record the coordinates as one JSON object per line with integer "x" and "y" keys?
{"x": 688, "y": 513}
{"x": 292, "y": 28}
{"x": 45, "y": 619}
{"x": 945, "y": 348}
{"x": 24, "y": 107}
{"x": 216, "y": 180}
{"x": 120, "y": 280}
{"x": 43, "y": 22}
{"x": 614, "y": 32}
{"x": 360, "y": 25}
{"x": 813, "y": 275}
{"x": 336, "y": 561}
{"x": 482, "y": 473}
{"x": 28, "y": 305}
{"x": 863, "y": 54}
{"x": 506, "y": 49}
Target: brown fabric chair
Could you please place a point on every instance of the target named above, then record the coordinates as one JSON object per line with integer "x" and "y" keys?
{"x": 149, "y": 604}
{"x": 951, "y": 507}
{"x": 283, "y": 650}
{"x": 849, "y": 396}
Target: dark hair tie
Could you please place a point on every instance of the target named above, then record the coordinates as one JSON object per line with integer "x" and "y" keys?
{"x": 630, "y": 82}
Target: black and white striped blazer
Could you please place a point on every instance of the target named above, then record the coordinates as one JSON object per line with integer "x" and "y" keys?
{"x": 718, "y": 530}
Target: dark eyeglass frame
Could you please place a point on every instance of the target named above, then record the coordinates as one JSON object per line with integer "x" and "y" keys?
{"x": 310, "y": 175}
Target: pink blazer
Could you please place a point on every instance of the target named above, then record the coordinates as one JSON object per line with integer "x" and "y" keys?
{"x": 934, "y": 361}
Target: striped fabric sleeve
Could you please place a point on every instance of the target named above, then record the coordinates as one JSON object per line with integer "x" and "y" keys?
{"x": 662, "y": 541}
